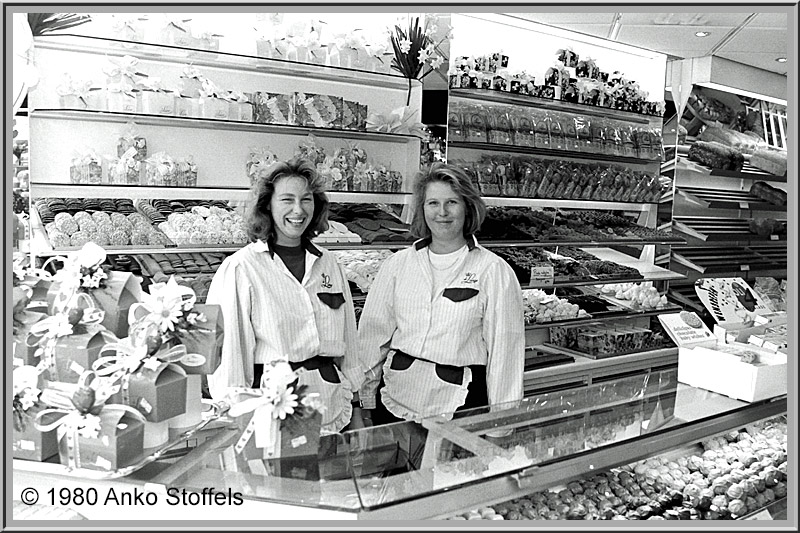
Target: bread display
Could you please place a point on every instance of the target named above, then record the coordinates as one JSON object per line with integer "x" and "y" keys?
{"x": 747, "y": 144}
{"x": 768, "y": 193}
{"x": 717, "y": 156}
{"x": 772, "y": 161}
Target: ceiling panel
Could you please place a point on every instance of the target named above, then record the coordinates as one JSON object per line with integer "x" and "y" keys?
{"x": 765, "y": 61}
{"x": 770, "y": 20}
{"x": 571, "y": 18}
{"x": 675, "y": 40}
{"x": 759, "y": 40}
{"x": 692, "y": 19}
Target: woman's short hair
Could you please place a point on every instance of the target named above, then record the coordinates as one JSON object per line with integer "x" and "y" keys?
{"x": 459, "y": 180}
{"x": 258, "y": 219}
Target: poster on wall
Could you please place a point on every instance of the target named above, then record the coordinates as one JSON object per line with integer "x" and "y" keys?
{"x": 730, "y": 299}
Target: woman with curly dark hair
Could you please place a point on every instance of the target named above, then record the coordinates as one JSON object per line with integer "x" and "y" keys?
{"x": 285, "y": 299}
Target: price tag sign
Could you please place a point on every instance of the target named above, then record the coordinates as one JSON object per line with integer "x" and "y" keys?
{"x": 542, "y": 275}
{"x": 744, "y": 205}
{"x": 745, "y": 267}
{"x": 773, "y": 237}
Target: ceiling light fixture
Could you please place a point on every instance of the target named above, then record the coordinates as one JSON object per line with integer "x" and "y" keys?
{"x": 781, "y": 60}
{"x": 702, "y": 33}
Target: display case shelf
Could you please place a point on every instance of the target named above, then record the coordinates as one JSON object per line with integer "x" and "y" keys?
{"x": 720, "y": 230}
{"x": 48, "y": 190}
{"x": 562, "y": 154}
{"x": 599, "y": 318}
{"x": 502, "y": 97}
{"x": 599, "y": 243}
{"x": 219, "y": 125}
{"x": 748, "y": 172}
{"x": 514, "y": 201}
{"x": 708, "y": 198}
{"x": 728, "y": 259}
{"x": 102, "y": 46}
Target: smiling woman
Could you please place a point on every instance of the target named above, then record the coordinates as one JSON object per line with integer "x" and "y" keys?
{"x": 442, "y": 328}
{"x": 285, "y": 299}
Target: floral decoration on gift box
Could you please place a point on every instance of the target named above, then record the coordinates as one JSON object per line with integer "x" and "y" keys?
{"x": 568, "y": 57}
{"x": 123, "y": 69}
{"x": 191, "y": 81}
{"x": 91, "y": 434}
{"x": 77, "y": 93}
{"x": 26, "y": 391}
{"x": 27, "y": 441}
{"x": 278, "y": 402}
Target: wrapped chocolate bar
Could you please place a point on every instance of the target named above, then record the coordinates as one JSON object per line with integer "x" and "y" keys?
{"x": 498, "y": 125}
{"x": 185, "y": 172}
{"x": 86, "y": 168}
{"x": 27, "y": 441}
{"x": 121, "y": 98}
{"x": 258, "y": 163}
{"x": 350, "y": 115}
{"x": 475, "y": 123}
{"x": 160, "y": 170}
{"x": 273, "y": 108}
{"x": 568, "y": 57}
{"x": 455, "y": 124}
{"x": 91, "y": 434}
{"x": 522, "y": 126}
{"x": 154, "y": 98}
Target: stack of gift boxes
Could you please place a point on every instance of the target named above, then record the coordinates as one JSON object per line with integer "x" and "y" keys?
{"x": 570, "y": 79}
{"x": 103, "y": 371}
{"x": 131, "y": 165}
{"x": 127, "y": 90}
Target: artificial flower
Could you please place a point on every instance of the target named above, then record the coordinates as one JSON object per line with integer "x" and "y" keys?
{"x": 89, "y": 427}
{"x": 436, "y": 61}
{"x": 285, "y": 403}
{"x": 405, "y": 46}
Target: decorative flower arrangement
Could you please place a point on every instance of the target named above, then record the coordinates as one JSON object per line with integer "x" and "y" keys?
{"x": 278, "y": 399}
{"x": 26, "y": 393}
{"x": 170, "y": 307}
{"x": 414, "y": 48}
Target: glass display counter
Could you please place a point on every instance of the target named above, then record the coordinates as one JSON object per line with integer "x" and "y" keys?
{"x": 439, "y": 467}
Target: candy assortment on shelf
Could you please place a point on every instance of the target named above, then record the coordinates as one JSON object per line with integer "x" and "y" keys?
{"x": 564, "y": 269}
{"x": 576, "y": 81}
{"x": 371, "y": 223}
{"x": 361, "y": 266}
{"x": 530, "y": 177}
{"x": 608, "y": 339}
{"x": 540, "y": 307}
{"x": 73, "y": 222}
{"x": 190, "y": 222}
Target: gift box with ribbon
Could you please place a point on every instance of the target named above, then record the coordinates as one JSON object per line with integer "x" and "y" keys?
{"x": 86, "y": 168}
{"x": 126, "y": 170}
{"x": 158, "y": 392}
{"x": 160, "y": 170}
{"x": 23, "y": 321}
{"x": 122, "y": 71}
{"x": 130, "y": 139}
{"x": 154, "y": 98}
{"x": 187, "y": 106}
{"x": 121, "y": 98}
{"x": 568, "y": 57}
{"x": 91, "y": 434}
{"x": 177, "y": 31}
{"x": 27, "y": 441}
{"x": 112, "y": 292}
{"x": 277, "y": 420}
{"x": 317, "y": 110}
{"x": 185, "y": 172}
{"x": 258, "y": 163}
{"x": 273, "y": 108}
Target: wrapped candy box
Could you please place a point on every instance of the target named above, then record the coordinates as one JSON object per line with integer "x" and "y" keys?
{"x": 132, "y": 144}
{"x": 258, "y": 163}
{"x": 497, "y": 61}
{"x": 187, "y": 106}
{"x": 160, "y": 170}
{"x": 568, "y": 57}
{"x": 80, "y": 94}
{"x": 128, "y": 27}
{"x": 154, "y": 99}
{"x": 350, "y": 115}
{"x": 363, "y": 113}
{"x": 204, "y": 342}
{"x": 317, "y": 110}
{"x": 177, "y": 31}
{"x": 86, "y": 168}
{"x": 191, "y": 81}
{"x": 239, "y": 107}
{"x": 121, "y": 98}
{"x": 587, "y": 68}
{"x": 126, "y": 170}
{"x": 185, "y": 172}
{"x": 212, "y": 103}
{"x": 122, "y": 70}
{"x": 93, "y": 435}
{"x": 27, "y": 441}
{"x": 273, "y": 108}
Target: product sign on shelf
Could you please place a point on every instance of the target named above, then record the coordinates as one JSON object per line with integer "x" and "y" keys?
{"x": 730, "y": 300}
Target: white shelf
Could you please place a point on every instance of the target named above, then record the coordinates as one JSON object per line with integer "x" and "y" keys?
{"x": 134, "y": 192}
{"x": 225, "y": 60}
